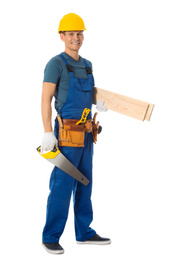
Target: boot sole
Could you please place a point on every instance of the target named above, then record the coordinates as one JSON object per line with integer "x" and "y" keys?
{"x": 94, "y": 242}
{"x": 57, "y": 252}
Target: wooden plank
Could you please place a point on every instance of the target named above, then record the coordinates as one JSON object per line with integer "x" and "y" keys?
{"x": 149, "y": 112}
{"x": 123, "y": 104}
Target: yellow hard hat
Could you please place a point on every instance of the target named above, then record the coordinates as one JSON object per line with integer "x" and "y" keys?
{"x": 71, "y": 22}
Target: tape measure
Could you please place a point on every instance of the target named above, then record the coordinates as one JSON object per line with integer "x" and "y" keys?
{"x": 83, "y": 119}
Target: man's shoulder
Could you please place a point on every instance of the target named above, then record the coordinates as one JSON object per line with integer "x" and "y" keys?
{"x": 55, "y": 60}
{"x": 89, "y": 63}
{"x": 54, "y": 64}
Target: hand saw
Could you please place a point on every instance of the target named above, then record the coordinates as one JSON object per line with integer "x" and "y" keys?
{"x": 58, "y": 159}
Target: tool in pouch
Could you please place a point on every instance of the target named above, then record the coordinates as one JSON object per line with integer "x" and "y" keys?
{"x": 72, "y": 131}
{"x": 83, "y": 119}
{"x": 90, "y": 126}
{"x": 59, "y": 160}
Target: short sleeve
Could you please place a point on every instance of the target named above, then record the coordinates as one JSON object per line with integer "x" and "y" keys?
{"x": 52, "y": 71}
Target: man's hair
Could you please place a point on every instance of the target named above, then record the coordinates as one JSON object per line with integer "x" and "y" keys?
{"x": 63, "y": 32}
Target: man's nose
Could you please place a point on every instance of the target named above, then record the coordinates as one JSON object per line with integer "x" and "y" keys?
{"x": 76, "y": 38}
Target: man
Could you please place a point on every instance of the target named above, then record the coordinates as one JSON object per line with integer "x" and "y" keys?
{"x": 68, "y": 77}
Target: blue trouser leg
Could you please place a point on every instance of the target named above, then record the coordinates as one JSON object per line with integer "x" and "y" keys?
{"x": 83, "y": 212}
{"x": 61, "y": 187}
{"x": 57, "y": 208}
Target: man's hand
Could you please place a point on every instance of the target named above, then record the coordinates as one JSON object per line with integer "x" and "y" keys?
{"x": 100, "y": 106}
{"x": 48, "y": 142}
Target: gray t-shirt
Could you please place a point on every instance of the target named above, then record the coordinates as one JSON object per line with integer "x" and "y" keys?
{"x": 56, "y": 72}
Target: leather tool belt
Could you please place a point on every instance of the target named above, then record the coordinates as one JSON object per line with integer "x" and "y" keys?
{"x": 73, "y": 135}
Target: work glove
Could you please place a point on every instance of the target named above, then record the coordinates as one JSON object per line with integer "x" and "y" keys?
{"x": 48, "y": 142}
{"x": 100, "y": 106}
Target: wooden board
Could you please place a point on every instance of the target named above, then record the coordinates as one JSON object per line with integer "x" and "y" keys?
{"x": 149, "y": 112}
{"x": 122, "y": 104}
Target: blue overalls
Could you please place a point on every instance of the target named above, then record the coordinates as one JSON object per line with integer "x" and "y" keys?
{"x": 80, "y": 96}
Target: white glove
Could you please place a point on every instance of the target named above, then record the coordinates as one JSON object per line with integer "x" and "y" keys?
{"x": 48, "y": 142}
{"x": 100, "y": 106}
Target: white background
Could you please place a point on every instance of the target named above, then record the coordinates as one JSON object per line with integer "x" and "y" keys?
{"x": 128, "y": 43}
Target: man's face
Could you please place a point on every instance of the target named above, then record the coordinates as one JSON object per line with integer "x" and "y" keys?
{"x": 73, "y": 39}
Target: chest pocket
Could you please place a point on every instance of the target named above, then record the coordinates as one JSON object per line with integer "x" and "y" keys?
{"x": 85, "y": 85}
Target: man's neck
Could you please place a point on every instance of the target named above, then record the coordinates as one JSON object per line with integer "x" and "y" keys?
{"x": 73, "y": 54}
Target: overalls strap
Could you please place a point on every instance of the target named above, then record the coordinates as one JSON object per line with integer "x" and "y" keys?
{"x": 69, "y": 67}
{"x": 88, "y": 68}
{"x": 66, "y": 62}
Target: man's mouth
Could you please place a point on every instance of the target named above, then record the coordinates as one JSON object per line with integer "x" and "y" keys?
{"x": 75, "y": 43}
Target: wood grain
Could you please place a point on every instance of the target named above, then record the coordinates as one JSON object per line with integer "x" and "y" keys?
{"x": 124, "y": 105}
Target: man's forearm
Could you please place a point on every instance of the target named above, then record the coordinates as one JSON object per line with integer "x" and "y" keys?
{"x": 46, "y": 111}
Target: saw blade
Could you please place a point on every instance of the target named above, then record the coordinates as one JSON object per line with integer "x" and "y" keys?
{"x": 58, "y": 159}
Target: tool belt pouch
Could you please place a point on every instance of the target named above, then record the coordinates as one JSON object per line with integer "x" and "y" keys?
{"x": 67, "y": 137}
{"x": 70, "y": 134}
{"x": 95, "y": 127}
{"x": 88, "y": 126}
{"x": 94, "y": 133}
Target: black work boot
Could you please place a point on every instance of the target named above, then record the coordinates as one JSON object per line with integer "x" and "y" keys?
{"x": 96, "y": 240}
{"x": 53, "y": 248}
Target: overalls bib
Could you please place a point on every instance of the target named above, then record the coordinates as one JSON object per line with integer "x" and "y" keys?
{"x": 80, "y": 96}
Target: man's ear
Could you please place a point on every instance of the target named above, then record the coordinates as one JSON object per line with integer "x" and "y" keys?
{"x": 62, "y": 36}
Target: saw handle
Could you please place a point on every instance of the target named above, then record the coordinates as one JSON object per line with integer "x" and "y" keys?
{"x": 50, "y": 154}
{"x": 54, "y": 149}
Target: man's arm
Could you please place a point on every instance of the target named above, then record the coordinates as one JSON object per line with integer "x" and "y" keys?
{"x": 48, "y": 91}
